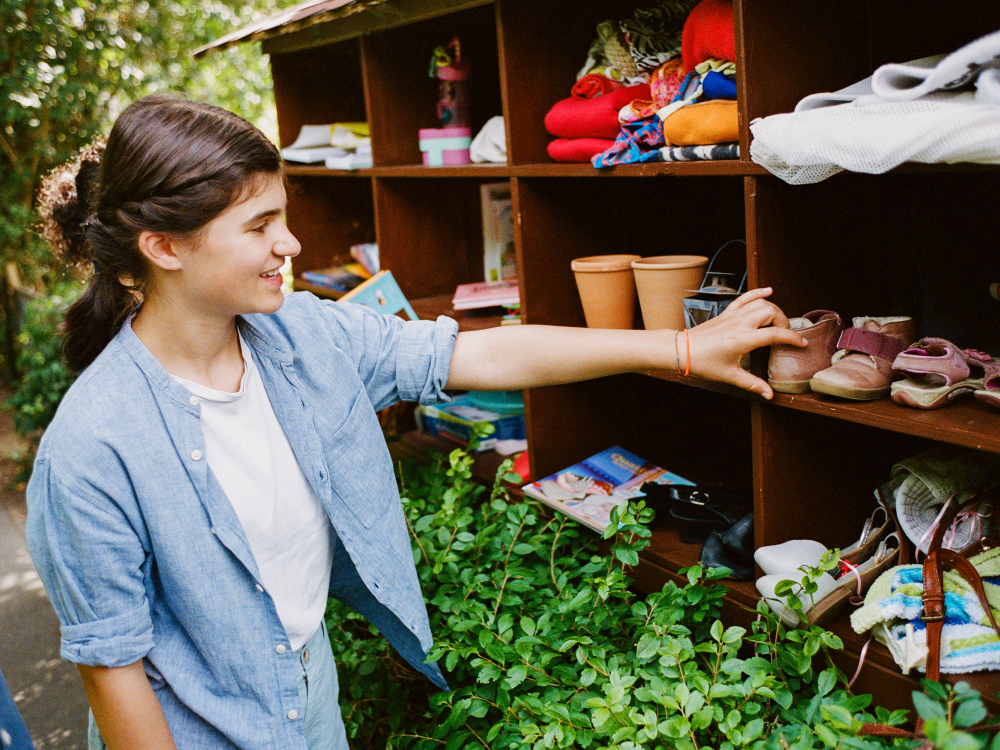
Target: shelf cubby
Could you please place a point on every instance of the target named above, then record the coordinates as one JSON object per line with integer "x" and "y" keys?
{"x": 402, "y": 97}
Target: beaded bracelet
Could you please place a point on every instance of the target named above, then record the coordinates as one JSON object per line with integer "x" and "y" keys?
{"x": 687, "y": 344}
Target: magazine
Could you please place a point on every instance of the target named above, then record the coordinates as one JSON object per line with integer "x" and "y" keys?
{"x": 589, "y": 490}
{"x": 486, "y": 294}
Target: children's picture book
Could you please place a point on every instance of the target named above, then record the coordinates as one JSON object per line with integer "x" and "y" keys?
{"x": 338, "y": 279}
{"x": 589, "y": 490}
{"x": 367, "y": 255}
{"x": 499, "y": 259}
{"x": 486, "y": 294}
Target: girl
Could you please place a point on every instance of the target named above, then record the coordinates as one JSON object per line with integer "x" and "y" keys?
{"x": 217, "y": 470}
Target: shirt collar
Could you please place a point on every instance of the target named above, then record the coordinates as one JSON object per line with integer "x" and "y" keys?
{"x": 260, "y": 343}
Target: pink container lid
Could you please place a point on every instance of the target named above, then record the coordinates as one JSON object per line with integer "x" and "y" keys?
{"x": 445, "y": 133}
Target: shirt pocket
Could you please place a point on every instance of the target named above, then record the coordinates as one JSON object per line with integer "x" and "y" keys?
{"x": 361, "y": 476}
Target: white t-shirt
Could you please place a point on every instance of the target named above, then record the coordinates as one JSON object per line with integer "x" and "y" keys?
{"x": 289, "y": 533}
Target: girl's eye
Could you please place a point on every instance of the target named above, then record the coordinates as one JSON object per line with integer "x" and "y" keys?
{"x": 259, "y": 230}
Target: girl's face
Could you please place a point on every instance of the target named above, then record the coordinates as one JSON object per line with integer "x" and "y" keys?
{"x": 233, "y": 267}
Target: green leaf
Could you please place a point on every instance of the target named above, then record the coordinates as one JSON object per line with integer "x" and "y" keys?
{"x": 627, "y": 556}
{"x": 716, "y": 631}
{"x": 827, "y": 735}
{"x": 927, "y": 708}
{"x": 753, "y": 730}
{"x": 516, "y": 675}
{"x": 528, "y": 625}
{"x": 523, "y": 548}
{"x": 970, "y": 713}
{"x": 839, "y": 716}
{"x": 935, "y": 689}
{"x": 826, "y": 682}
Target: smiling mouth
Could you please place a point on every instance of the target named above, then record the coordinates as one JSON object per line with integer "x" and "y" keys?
{"x": 271, "y": 274}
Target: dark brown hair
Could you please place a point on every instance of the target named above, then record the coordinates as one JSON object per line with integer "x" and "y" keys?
{"x": 169, "y": 166}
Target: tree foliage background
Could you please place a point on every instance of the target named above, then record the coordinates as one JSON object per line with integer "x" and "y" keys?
{"x": 67, "y": 67}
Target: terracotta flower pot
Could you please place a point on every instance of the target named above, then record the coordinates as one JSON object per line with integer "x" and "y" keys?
{"x": 607, "y": 289}
{"x": 663, "y": 282}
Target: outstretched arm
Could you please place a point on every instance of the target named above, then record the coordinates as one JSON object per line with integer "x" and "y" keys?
{"x": 516, "y": 357}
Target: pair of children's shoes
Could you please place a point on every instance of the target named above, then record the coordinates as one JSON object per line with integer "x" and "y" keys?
{"x": 853, "y": 363}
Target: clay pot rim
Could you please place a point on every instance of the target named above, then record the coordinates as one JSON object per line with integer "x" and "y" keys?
{"x": 661, "y": 262}
{"x": 603, "y": 263}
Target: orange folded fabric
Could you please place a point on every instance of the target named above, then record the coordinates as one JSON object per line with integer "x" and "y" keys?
{"x": 704, "y": 123}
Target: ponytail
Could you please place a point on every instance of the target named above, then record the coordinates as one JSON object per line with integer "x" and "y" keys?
{"x": 95, "y": 318}
{"x": 70, "y": 227}
{"x": 169, "y": 166}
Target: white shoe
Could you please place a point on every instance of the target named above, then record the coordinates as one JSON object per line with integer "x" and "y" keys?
{"x": 789, "y": 556}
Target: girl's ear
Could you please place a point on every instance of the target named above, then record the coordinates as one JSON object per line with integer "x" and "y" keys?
{"x": 159, "y": 250}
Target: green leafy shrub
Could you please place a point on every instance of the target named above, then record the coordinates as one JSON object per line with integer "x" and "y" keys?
{"x": 44, "y": 378}
{"x": 546, "y": 645}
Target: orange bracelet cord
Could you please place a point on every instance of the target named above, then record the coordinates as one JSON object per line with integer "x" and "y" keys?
{"x": 687, "y": 344}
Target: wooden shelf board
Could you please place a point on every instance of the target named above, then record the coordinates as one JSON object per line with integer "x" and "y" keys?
{"x": 461, "y": 170}
{"x": 687, "y": 169}
{"x": 500, "y": 171}
{"x": 313, "y": 170}
{"x": 696, "y": 382}
{"x": 428, "y": 308}
{"x": 672, "y": 169}
{"x": 967, "y": 423}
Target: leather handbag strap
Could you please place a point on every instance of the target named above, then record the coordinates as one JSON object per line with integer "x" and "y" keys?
{"x": 937, "y": 561}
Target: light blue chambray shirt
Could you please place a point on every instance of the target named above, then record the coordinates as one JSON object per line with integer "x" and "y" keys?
{"x": 143, "y": 557}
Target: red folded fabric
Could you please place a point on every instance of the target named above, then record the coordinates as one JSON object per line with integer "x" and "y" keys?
{"x": 577, "y": 149}
{"x": 592, "y": 118}
{"x": 594, "y": 85}
{"x": 708, "y": 33}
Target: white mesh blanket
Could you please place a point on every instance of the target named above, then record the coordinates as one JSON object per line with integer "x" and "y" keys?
{"x": 904, "y": 112}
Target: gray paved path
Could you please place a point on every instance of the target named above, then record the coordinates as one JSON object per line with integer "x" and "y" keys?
{"x": 47, "y": 690}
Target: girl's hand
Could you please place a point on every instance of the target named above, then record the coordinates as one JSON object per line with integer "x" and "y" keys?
{"x": 750, "y": 321}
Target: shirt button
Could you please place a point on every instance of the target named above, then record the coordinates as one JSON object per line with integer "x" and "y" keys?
{"x": 196, "y": 455}
{"x": 259, "y": 588}
{"x": 280, "y": 648}
{"x": 293, "y": 714}
{"x": 193, "y": 401}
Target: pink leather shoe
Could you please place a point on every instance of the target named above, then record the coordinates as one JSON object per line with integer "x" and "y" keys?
{"x": 791, "y": 368}
{"x": 937, "y": 372}
{"x": 990, "y": 393}
{"x": 862, "y": 369}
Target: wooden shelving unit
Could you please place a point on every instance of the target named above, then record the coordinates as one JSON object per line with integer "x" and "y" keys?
{"x": 919, "y": 241}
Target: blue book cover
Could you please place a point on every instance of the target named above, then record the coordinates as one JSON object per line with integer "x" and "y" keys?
{"x": 590, "y": 489}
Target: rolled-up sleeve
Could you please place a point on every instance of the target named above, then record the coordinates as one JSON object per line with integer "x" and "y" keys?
{"x": 91, "y": 561}
{"x": 398, "y": 360}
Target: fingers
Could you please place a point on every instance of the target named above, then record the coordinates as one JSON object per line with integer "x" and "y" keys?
{"x": 752, "y": 383}
{"x": 775, "y": 335}
{"x": 748, "y": 297}
{"x": 753, "y": 306}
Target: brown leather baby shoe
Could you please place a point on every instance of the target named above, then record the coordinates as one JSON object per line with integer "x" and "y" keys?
{"x": 791, "y": 367}
{"x": 862, "y": 368}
